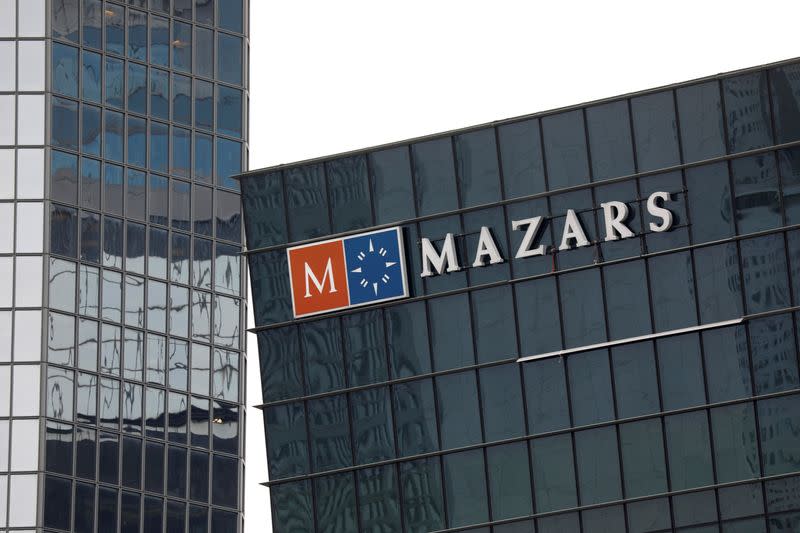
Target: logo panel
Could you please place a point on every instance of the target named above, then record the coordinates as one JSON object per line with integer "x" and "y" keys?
{"x": 347, "y": 272}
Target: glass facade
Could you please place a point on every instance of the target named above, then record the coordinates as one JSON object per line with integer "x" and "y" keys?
{"x": 122, "y": 300}
{"x": 644, "y": 384}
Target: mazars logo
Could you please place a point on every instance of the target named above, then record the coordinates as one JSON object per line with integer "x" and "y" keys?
{"x": 347, "y": 272}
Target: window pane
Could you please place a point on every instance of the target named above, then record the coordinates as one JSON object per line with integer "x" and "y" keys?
{"x": 689, "y": 450}
{"x": 756, "y": 197}
{"x": 610, "y": 140}
{"x": 747, "y": 107}
{"x": 565, "y": 149}
{"x": 372, "y": 425}
{"x": 681, "y": 371}
{"x": 598, "y": 465}
{"x": 415, "y": 415}
{"x": 672, "y": 291}
{"x": 330, "y": 433}
{"x": 655, "y": 131}
{"x": 582, "y": 308}
{"x": 477, "y": 167}
{"x": 735, "y": 442}
{"x": 627, "y": 304}
{"x": 702, "y": 131}
{"x": 459, "y": 413}
{"x": 635, "y": 379}
{"x": 229, "y": 58}
{"x": 521, "y": 156}
{"x": 718, "y": 286}
{"x": 392, "y": 191}
{"x": 642, "y": 448}
{"x": 434, "y": 176}
{"x": 229, "y": 111}
{"x": 553, "y": 473}
{"x": 465, "y": 488}
{"x": 451, "y": 334}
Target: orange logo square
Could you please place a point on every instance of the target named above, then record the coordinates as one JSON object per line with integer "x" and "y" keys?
{"x": 318, "y": 278}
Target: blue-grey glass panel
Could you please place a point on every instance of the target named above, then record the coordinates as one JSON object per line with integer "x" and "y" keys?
{"x": 287, "y": 444}
{"x": 114, "y": 22}
{"x": 603, "y": 519}
{"x": 672, "y": 291}
{"x": 553, "y": 473}
{"x": 156, "y": 306}
{"x": 349, "y": 193}
{"x": 114, "y": 136}
{"x": 269, "y": 281}
{"x": 112, "y": 296}
{"x": 695, "y": 508}
{"x": 265, "y": 213}
{"x": 177, "y": 417}
{"x": 407, "y": 334}
{"x": 292, "y": 507}
{"x": 84, "y": 507}
{"x": 434, "y": 176}
{"x": 159, "y": 200}
{"x": 655, "y": 131}
{"x": 109, "y": 405}
{"x": 202, "y": 209}
{"x": 201, "y": 369}
{"x": 280, "y": 367}
{"x": 373, "y": 436}
{"x": 764, "y": 270}
{"x": 155, "y": 371}
{"x": 92, "y": 23}
{"x": 204, "y": 12}
{"x": 230, "y": 15}
{"x": 451, "y": 332}
{"x": 157, "y": 252}
{"x": 137, "y": 35}
{"x": 114, "y": 82}
{"x": 135, "y": 247}
{"x": 203, "y": 158}
{"x": 198, "y": 476}
{"x": 308, "y": 212}
{"x": 735, "y": 442}
{"x": 364, "y": 347}
{"x": 90, "y": 183}
{"x": 681, "y": 371}
{"x": 159, "y": 93}
{"x": 181, "y": 152}
{"x": 180, "y": 202}
{"x": 610, "y": 142}
{"x": 582, "y": 308}
{"x": 718, "y": 285}
{"x": 493, "y": 322}
{"x": 465, "y": 488}
{"x": 546, "y": 395}
{"x": 65, "y": 70}
{"x": 459, "y": 412}
{"x": 748, "y": 113}
{"x": 229, "y": 111}
{"x": 91, "y": 130}
{"x": 91, "y": 76}
{"x": 159, "y": 41}
{"x": 509, "y": 480}
{"x": 598, "y": 465}
{"x": 521, "y": 157}
{"x": 159, "y": 147}
{"x": 477, "y": 167}
{"x": 741, "y": 500}
{"x": 756, "y": 195}
{"x": 643, "y": 463}
{"x": 689, "y": 450}
{"x": 137, "y": 151}
{"x": 590, "y": 387}
{"x": 134, "y": 302}
{"x": 176, "y": 477}
{"x": 89, "y": 291}
{"x": 225, "y": 375}
{"x": 182, "y": 99}
{"x": 539, "y": 325}
{"x": 181, "y": 46}
{"x": 229, "y": 58}
{"x": 201, "y": 316}
{"x": 179, "y": 262}
{"x": 204, "y": 45}
{"x": 228, "y": 163}
{"x": 88, "y": 342}
{"x": 132, "y": 395}
{"x": 774, "y": 354}
{"x": 155, "y": 416}
{"x": 422, "y": 497}
{"x": 203, "y": 104}
{"x": 64, "y": 130}
{"x": 322, "y": 347}
{"x": 785, "y": 91}
{"x": 789, "y": 166}
{"x": 415, "y": 417}
{"x": 627, "y": 302}
{"x": 64, "y": 21}
{"x": 199, "y": 433}
{"x": 392, "y": 189}
{"x": 502, "y": 402}
{"x": 379, "y": 505}
{"x": 330, "y": 433}
{"x": 336, "y": 502}
{"x": 113, "y": 189}
{"x": 726, "y": 358}
{"x": 780, "y": 449}
{"x": 228, "y": 216}
{"x": 565, "y": 149}
{"x": 635, "y": 379}
{"x": 702, "y": 128}
{"x": 85, "y": 452}
{"x": 227, "y": 326}
{"x": 112, "y": 242}
{"x": 179, "y": 311}
{"x": 63, "y": 230}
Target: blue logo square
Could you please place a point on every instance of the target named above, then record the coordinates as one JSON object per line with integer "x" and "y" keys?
{"x": 375, "y": 266}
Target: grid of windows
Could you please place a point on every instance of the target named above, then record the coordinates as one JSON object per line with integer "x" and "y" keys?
{"x": 143, "y": 388}
{"x": 418, "y": 416}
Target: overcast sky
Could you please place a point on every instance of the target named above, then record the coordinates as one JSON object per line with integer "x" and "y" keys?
{"x": 328, "y": 77}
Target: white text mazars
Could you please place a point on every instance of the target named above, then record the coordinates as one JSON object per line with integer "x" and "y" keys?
{"x": 614, "y": 215}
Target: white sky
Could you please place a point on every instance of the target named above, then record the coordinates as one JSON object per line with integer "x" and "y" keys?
{"x": 328, "y": 77}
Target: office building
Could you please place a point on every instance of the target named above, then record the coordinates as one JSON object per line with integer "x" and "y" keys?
{"x": 121, "y": 289}
{"x": 595, "y": 327}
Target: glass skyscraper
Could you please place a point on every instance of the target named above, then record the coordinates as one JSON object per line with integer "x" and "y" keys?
{"x": 607, "y": 342}
{"x": 121, "y": 286}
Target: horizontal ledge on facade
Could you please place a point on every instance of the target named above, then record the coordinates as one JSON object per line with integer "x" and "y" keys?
{"x": 630, "y": 340}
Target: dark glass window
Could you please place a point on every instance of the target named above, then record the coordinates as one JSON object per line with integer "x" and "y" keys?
{"x": 180, "y": 200}
{"x": 114, "y": 82}
{"x": 539, "y": 324}
{"x": 372, "y": 425}
{"x": 266, "y": 213}
{"x": 229, "y": 58}
{"x": 786, "y": 102}
{"x": 288, "y": 442}
{"x": 136, "y": 194}
{"x": 137, "y": 141}
{"x": 198, "y": 476}
{"x": 635, "y": 379}
{"x": 322, "y": 347}
{"x": 159, "y": 93}
{"x": 735, "y": 442}
{"x": 204, "y": 11}
{"x": 700, "y": 112}
{"x": 181, "y": 46}
{"x": 493, "y": 320}
{"x": 107, "y": 509}
{"x": 330, "y": 432}
{"x": 415, "y": 417}
{"x": 747, "y": 108}
{"x": 407, "y": 339}
{"x": 307, "y": 211}
{"x": 434, "y": 176}
{"x": 176, "y": 471}
{"x": 590, "y": 387}
{"x": 501, "y": 401}
{"x": 131, "y": 462}
{"x": 627, "y": 303}
{"x": 718, "y": 284}
{"x": 672, "y": 291}
{"x": 181, "y": 152}
{"x": 477, "y": 167}
{"x": 129, "y": 513}
{"x": 90, "y": 183}
{"x": 726, "y": 356}
{"x": 115, "y": 28}
{"x": 113, "y": 189}
{"x": 681, "y": 371}
{"x": 57, "y": 497}
{"x": 365, "y": 348}
{"x": 108, "y": 457}
{"x": 203, "y": 158}
{"x": 63, "y": 230}
{"x": 764, "y": 267}
{"x": 509, "y": 480}
{"x": 159, "y": 147}
{"x": 229, "y": 162}
{"x": 229, "y": 111}
{"x": 85, "y": 452}
{"x": 159, "y": 41}
{"x": 113, "y": 135}
{"x": 421, "y": 484}
{"x": 153, "y": 514}
{"x": 780, "y": 448}
{"x": 93, "y": 23}
{"x": 459, "y": 413}
{"x": 64, "y": 131}
{"x": 154, "y": 467}
{"x": 655, "y": 131}
{"x": 392, "y": 190}
{"x": 553, "y": 473}
{"x": 225, "y": 473}
{"x": 65, "y": 70}
{"x": 598, "y": 465}
{"x": 610, "y": 142}
{"x": 182, "y": 99}
{"x": 158, "y": 201}
{"x": 521, "y": 157}
{"x": 84, "y": 508}
{"x": 379, "y": 485}
{"x": 688, "y": 447}
{"x": 451, "y": 334}
{"x": 91, "y": 76}
{"x": 63, "y": 177}
{"x": 756, "y": 193}
{"x": 349, "y": 193}
{"x": 137, "y": 35}
{"x": 710, "y": 202}
{"x": 546, "y": 395}
{"x": 582, "y": 308}
{"x": 230, "y": 15}
{"x": 465, "y": 488}
{"x": 565, "y": 149}
{"x": 204, "y": 48}
{"x": 202, "y": 208}
{"x": 774, "y": 354}
{"x": 203, "y": 105}
{"x": 643, "y": 466}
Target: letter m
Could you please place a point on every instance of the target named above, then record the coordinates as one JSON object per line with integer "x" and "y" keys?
{"x": 310, "y": 276}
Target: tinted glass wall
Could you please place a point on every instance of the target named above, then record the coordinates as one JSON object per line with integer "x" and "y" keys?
{"x": 141, "y": 421}
{"x": 675, "y": 404}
